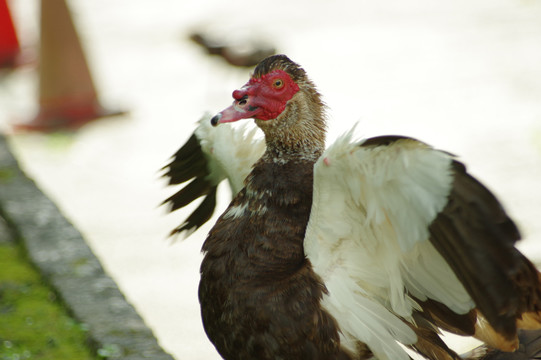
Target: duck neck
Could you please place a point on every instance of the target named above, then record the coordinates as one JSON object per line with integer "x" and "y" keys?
{"x": 283, "y": 152}
{"x": 298, "y": 134}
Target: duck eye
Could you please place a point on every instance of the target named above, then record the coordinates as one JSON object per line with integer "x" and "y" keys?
{"x": 278, "y": 84}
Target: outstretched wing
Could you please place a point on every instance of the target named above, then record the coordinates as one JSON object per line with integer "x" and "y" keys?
{"x": 396, "y": 224}
{"x": 211, "y": 155}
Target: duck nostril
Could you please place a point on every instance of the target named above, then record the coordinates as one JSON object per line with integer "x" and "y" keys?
{"x": 243, "y": 100}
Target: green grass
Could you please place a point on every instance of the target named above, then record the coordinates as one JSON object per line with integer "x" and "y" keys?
{"x": 33, "y": 323}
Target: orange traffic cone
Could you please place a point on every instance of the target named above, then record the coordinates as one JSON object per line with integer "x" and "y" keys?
{"x": 67, "y": 95}
{"x": 9, "y": 45}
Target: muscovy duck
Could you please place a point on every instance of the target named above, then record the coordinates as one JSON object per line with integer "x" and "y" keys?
{"x": 357, "y": 251}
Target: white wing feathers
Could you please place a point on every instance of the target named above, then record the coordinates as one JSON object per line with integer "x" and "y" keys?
{"x": 368, "y": 238}
{"x": 230, "y": 151}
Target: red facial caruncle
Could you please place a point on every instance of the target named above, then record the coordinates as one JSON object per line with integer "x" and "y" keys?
{"x": 261, "y": 98}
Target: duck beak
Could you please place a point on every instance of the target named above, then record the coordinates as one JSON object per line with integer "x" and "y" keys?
{"x": 243, "y": 107}
{"x": 235, "y": 112}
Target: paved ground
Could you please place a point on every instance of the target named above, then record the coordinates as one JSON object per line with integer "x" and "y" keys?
{"x": 464, "y": 76}
{"x": 62, "y": 256}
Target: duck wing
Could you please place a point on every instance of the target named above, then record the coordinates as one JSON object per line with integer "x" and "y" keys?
{"x": 210, "y": 156}
{"x": 400, "y": 231}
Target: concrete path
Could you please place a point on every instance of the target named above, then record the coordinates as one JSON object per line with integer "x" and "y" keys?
{"x": 66, "y": 262}
{"x": 464, "y": 76}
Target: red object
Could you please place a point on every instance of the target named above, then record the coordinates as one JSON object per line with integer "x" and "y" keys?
{"x": 67, "y": 96}
{"x": 263, "y": 97}
{"x": 9, "y": 44}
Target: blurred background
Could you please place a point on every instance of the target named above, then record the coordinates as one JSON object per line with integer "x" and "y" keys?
{"x": 464, "y": 76}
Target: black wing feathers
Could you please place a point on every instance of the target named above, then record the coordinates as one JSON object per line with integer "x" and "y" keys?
{"x": 429, "y": 343}
{"x": 189, "y": 162}
{"x": 476, "y": 237}
{"x": 440, "y": 315}
{"x": 196, "y": 188}
{"x": 200, "y": 215}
